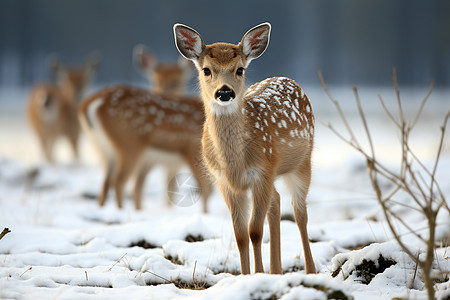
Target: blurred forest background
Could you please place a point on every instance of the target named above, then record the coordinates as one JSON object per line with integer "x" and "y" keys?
{"x": 351, "y": 41}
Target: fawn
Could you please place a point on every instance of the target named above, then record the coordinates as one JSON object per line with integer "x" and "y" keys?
{"x": 167, "y": 78}
{"x": 52, "y": 108}
{"x": 135, "y": 129}
{"x": 251, "y": 137}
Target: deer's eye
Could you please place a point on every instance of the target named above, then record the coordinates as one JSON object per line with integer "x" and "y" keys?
{"x": 240, "y": 71}
{"x": 206, "y": 71}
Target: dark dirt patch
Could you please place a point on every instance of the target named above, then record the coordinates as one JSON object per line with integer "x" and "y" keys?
{"x": 174, "y": 260}
{"x": 368, "y": 268}
{"x": 272, "y": 295}
{"x": 194, "y": 238}
{"x": 193, "y": 285}
{"x": 293, "y": 269}
{"x": 143, "y": 244}
{"x": 98, "y": 220}
{"x": 89, "y": 196}
{"x": 331, "y": 294}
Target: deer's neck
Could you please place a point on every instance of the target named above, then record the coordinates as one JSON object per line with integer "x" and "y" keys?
{"x": 228, "y": 132}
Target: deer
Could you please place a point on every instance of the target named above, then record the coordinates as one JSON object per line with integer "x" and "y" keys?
{"x": 250, "y": 138}
{"x": 135, "y": 129}
{"x": 52, "y": 107}
{"x": 170, "y": 78}
{"x": 166, "y": 78}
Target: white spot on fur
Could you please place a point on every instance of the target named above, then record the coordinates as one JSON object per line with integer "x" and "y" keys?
{"x": 293, "y": 115}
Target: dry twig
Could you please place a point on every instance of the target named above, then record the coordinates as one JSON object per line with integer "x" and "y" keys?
{"x": 4, "y": 232}
{"x": 425, "y": 193}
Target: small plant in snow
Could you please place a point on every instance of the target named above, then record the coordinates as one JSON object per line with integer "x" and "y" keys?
{"x": 413, "y": 178}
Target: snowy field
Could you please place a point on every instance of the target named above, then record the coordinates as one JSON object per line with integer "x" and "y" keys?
{"x": 63, "y": 246}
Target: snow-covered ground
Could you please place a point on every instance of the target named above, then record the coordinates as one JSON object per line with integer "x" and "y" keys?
{"x": 63, "y": 246}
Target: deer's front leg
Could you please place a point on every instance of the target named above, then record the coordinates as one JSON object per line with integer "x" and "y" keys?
{"x": 262, "y": 192}
{"x": 238, "y": 206}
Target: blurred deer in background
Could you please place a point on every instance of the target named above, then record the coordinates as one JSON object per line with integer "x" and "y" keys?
{"x": 135, "y": 129}
{"x": 251, "y": 137}
{"x": 52, "y": 107}
{"x": 165, "y": 78}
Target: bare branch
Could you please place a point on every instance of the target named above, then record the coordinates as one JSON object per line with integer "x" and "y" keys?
{"x": 338, "y": 108}
{"x": 416, "y": 184}
{"x": 410, "y": 230}
{"x": 408, "y": 179}
{"x": 438, "y": 155}
{"x": 397, "y": 93}
{"x": 404, "y": 205}
{"x": 347, "y": 141}
{"x": 363, "y": 118}
{"x": 430, "y": 89}
{"x": 4, "y": 232}
{"x": 389, "y": 221}
{"x": 392, "y": 194}
{"x": 388, "y": 113}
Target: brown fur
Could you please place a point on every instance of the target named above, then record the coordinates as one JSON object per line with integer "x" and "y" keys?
{"x": 264, "y": 132}
{"x": 167, "y": 78}
{"x": 136, "y": 120}
{"x": 52, "y": 110}
{"x": 133, "y": 122}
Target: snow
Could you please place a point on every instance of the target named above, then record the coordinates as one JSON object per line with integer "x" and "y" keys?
{"x": 63, "y": 246}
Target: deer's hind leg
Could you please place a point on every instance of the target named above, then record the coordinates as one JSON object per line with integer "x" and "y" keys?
{"x": 110, "y": 166}
{"x": 141, "y": 175}
{"x": 125, "y": 167}
{"x": 298, "y": 183}
{"x": 274, "y": 218}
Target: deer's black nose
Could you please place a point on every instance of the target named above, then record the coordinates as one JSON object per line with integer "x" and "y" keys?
{"x": 225, "y": 94}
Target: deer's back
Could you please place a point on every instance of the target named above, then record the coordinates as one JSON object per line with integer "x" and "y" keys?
{"x": 281, "y": 120}
{"x": 139, "y": 117}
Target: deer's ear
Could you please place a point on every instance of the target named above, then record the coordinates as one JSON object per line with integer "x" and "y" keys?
{"x": 58, "y": 69}
{"x": 55, "y": 63}
{"x": 93, "y": 61}
{"x": 188, "y": 41}
{"x": 255, "y": 41}
{"x": 143, "y": 59}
